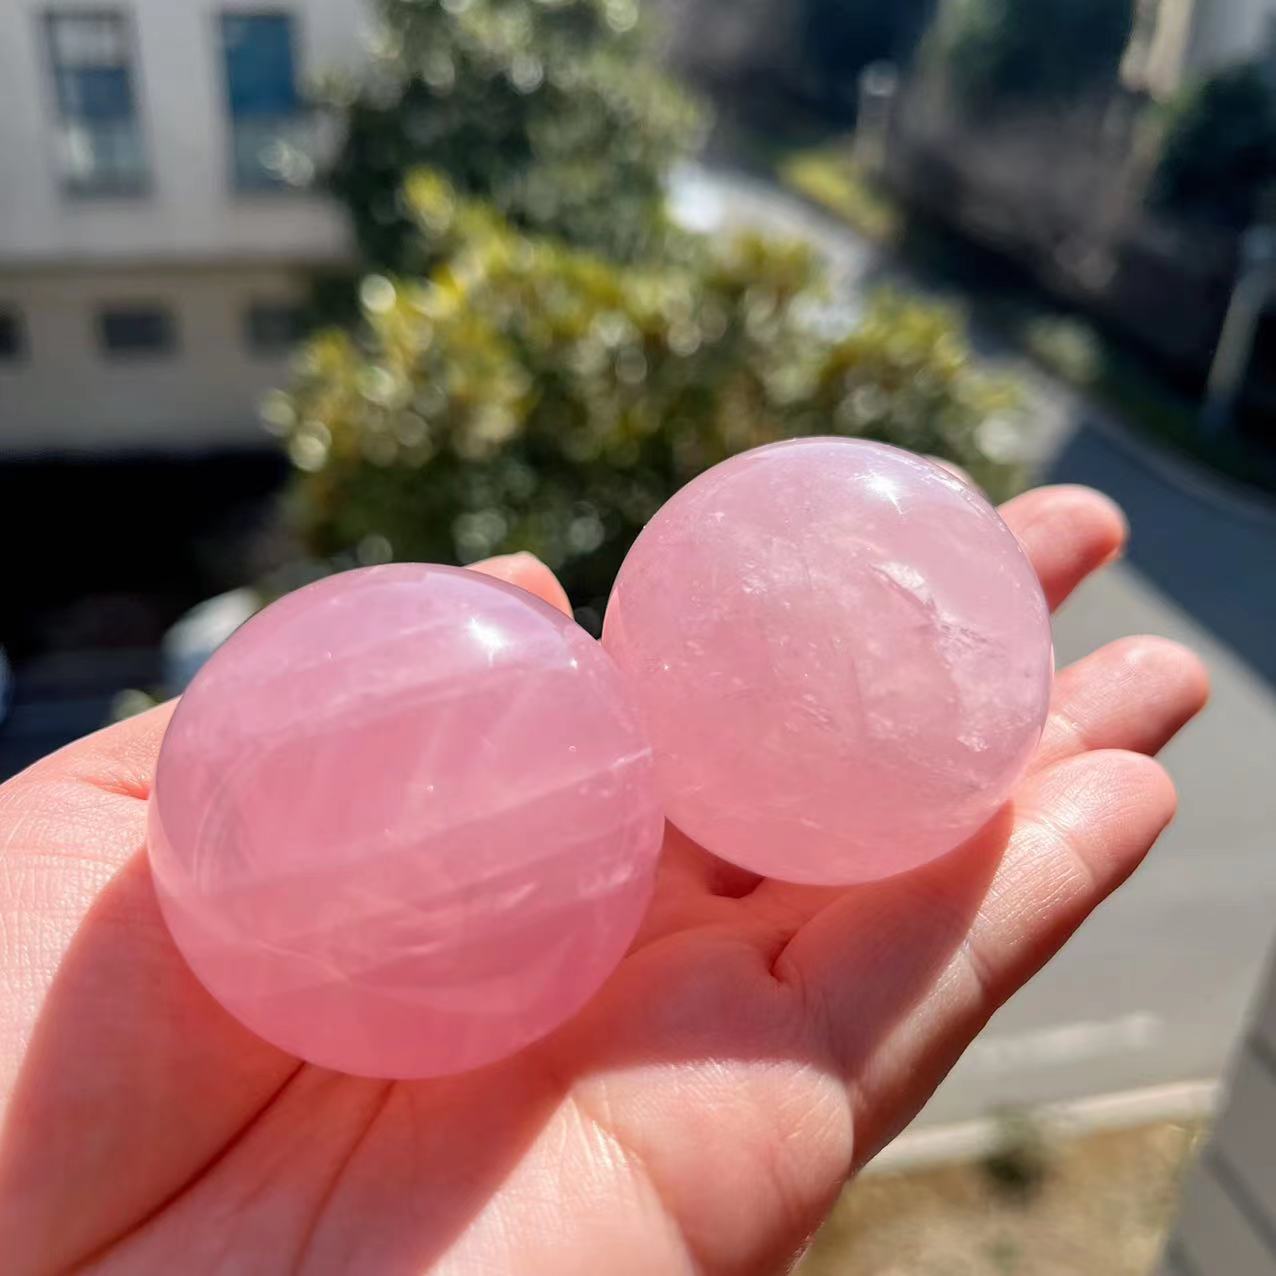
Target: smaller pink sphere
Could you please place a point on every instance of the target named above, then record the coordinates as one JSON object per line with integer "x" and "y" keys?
{"x": 404, "y": 822}
{"x": 842, "y": 657}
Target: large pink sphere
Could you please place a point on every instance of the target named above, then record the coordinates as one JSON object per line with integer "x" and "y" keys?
{"x": 404, "y": 821}
{"x": 841, "y": 655}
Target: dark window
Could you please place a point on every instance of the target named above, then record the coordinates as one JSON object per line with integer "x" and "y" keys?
{"x": 267, "y": 121}
{"x": 100, "y": 137}
{"x": 137, "y": 330}
{"x": 274, "y": 328}
{"x": 12, "y": 342}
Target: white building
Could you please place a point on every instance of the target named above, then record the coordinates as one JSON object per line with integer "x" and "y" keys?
{"x": 1226, "y": 31}
{"x": 151, "y": 253}
{"x": 1176, "y": 41}
{"x": 712, "y": 39}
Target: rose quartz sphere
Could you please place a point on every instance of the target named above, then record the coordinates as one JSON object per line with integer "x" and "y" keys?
{"x": 404, "y": 821}
{"x": 841, "y": 655}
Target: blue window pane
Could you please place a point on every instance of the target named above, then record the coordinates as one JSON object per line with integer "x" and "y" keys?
{"x": 274, "y": 328}
{"x": 100, "y": 138}
{"x": 11, "y": 337}
{"x": 260, "y": 76}
{"x": 95, "y": 93}
{"x": 137, "y": 330}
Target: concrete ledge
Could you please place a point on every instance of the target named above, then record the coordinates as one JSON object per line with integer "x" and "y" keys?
{"x": 968, "y": 1140}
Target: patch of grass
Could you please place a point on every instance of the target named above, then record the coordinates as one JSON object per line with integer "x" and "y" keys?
{"x": 1020, "y": 1162}
{"x": 998, "y": 294}
{"x": 829, "y": 176}
{"x": 1101, "y": 1203}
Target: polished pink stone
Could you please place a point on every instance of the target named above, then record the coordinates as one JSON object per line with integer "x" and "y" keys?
{"x": 404, "y": 821}
{"x": 842, "y": 657}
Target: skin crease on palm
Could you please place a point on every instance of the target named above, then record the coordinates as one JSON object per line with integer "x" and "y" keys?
{"x": 759, "y": 1043}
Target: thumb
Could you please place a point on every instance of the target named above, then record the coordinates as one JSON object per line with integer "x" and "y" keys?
{"x": 529, "y": 573}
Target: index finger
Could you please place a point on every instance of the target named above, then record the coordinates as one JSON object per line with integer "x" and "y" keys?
{"x": 1067, "y": 532}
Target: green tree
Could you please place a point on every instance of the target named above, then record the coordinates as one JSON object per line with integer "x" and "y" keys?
{"x": 1000, "y": 52}
{"x": 553, "y": 110}
{"x": 526, "y": 394}
{"x": 1219, "y": 159}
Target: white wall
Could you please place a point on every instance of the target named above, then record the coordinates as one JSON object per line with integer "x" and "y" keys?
{"x": 65, "y": 394}
{"x": 191, "y": 243}
{"x": 1230, "y": 31}
{"x": 191, "y": 211}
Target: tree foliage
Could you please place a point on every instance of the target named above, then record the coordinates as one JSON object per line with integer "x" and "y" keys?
{"x": 551, "y": 109}
{"x": 527, "y": 394}
{"x": 1000, "y": 52}
{"x": 1219, "y": 160}
{"x": 540, "y": 361}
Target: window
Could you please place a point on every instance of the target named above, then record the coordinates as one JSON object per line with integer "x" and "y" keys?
{"x": 12, "y": 338}
{"x": 137, "y": 330}
{"x": 100, "y": 138}
{"x": 266, "y": 115}
{"x": 273, "y": 328}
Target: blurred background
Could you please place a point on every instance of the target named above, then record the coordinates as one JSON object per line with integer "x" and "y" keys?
{"x": 294, "y": 287}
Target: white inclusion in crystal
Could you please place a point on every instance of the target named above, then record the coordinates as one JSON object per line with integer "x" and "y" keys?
{"x": 907, "y": 578}
{"x": 488, "y": 636}
{"x": 886, "y": 488}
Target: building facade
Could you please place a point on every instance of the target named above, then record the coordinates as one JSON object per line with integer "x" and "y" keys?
{"x": 155, "y": 233}
{"x": 1226, "y": 31}
{"x": 1227, "y": 1222}
{"x": 1177, "y": 41}
{"x": 716, "y": 40}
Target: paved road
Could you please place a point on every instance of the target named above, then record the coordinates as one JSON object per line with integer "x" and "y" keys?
{"x": 1155, "y": 987}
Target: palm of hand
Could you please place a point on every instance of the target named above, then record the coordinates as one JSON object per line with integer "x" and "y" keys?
{"x": 758, "y": 1043}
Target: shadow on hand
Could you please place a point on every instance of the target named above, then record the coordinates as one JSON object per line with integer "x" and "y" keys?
{"x": 146, "y": 1126}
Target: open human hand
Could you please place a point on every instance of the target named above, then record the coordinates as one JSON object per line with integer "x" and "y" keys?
{"x": 758, "y": 1044}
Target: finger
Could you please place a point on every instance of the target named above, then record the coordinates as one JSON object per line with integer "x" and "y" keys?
{"x": 529, "y": 573}
{"x": 1133, "y": 694}
{"x": 954, "y": 469}
{"x": 903, "y": 981}
{"x": 1067, "y": 532}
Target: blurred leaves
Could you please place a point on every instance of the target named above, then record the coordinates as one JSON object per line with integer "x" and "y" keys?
{"x": 1218, "y": 165}
{"x": 553, "y": 110}
{"x": 526, "y": 394}
{"x": 539, "y": 359}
